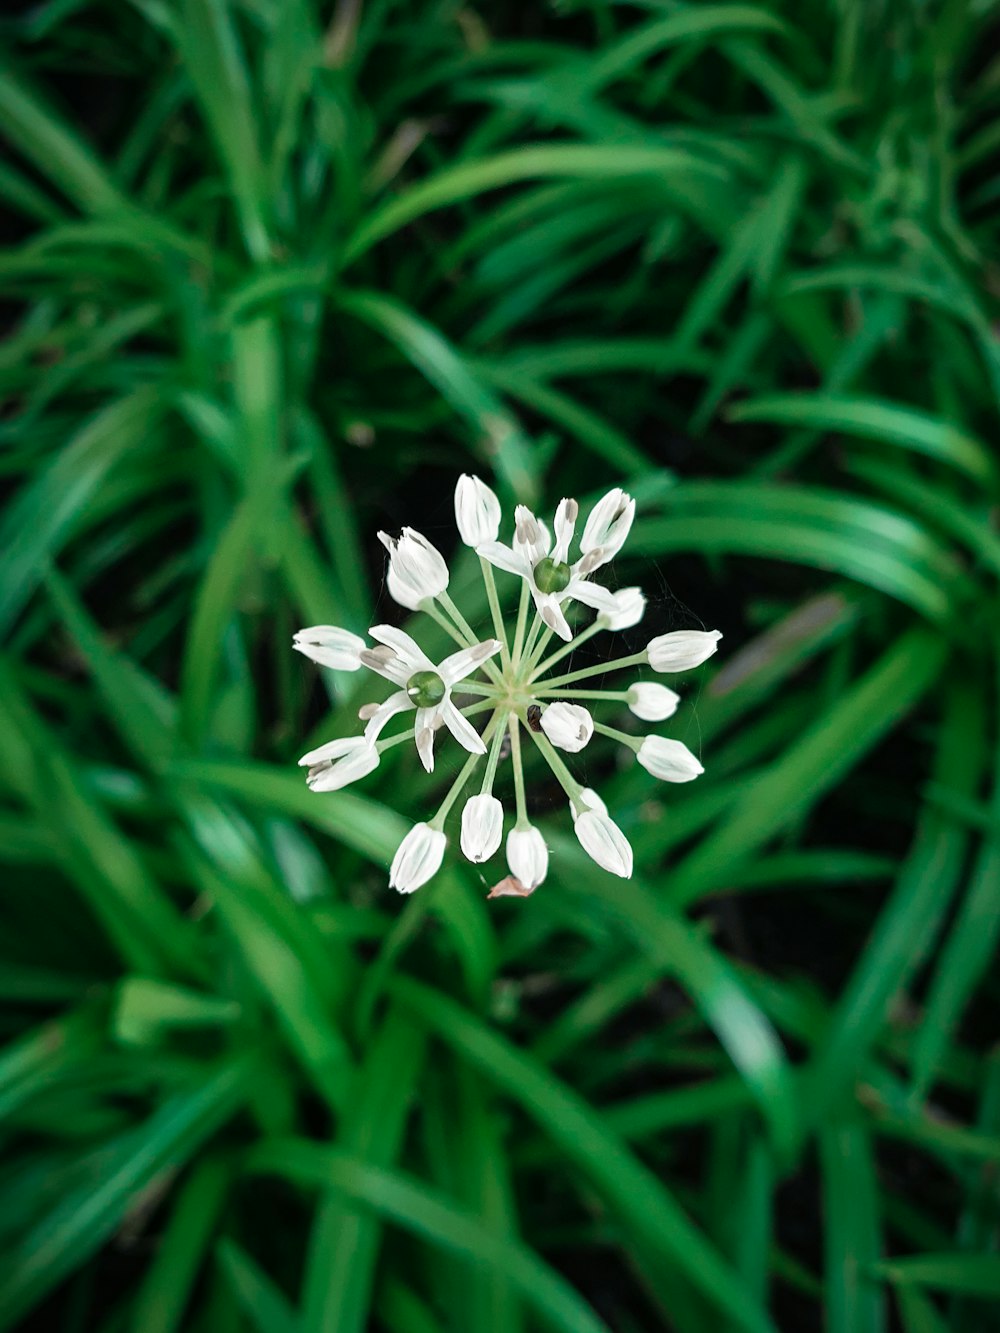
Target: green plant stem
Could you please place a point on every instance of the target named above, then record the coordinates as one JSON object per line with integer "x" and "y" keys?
{"x": 522, "y": 821}
{"x": 489, "y": 666}
{"x": 538, "y": 649}
{"x": 633, "y": 742}
{"x": 494, "y": 755}
{"x": 569, "y": 784}
{"x": 440, "y": 619}
{"x": 463, "y": 776}
{"x": 617, "y": 664}
{"x": 560, "y": 653}
{"x": 542, "y": 692}
{"x": 522, "y": 616}
{"x": 537, "y": 625}
{"x": 499, "y": 628}
{"x": 476, "y": 687}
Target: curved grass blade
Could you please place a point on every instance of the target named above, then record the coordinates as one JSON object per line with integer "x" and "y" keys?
{"x": 875, "y": 419}
{"x": 426, "y": 1214}
{"x": 650, "y": 1215}
{"x": 89, "y": 1214}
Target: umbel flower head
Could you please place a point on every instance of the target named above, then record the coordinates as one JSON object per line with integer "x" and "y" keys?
{"x": 509, "y": 681}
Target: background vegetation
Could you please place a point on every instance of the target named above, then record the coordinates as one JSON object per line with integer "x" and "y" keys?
{"x": 276, "y": 272}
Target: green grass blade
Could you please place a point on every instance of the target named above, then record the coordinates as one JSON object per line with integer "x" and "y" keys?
{"x": 54, "y": 150}
{"x": 652, "y": 1217}
{"x": 811, "y": 765}
{"x": 344, "y": 1243}
{"x": 263, "y": 1303}
{"x": 89, "y": 1214}
{"x": 423, "y": 1212}
{"x": 853, "y": 1246}
{"x": 165, "y": 1293}
{"x": 874, "y": 419}
{"x": 909, "y": 922}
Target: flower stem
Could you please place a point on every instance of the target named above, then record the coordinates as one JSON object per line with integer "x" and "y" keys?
{"x": 494, "y": 757}
{"x": 617, "y": 664}
{"x": 499, "y": 628}
{"x": 465, "y": 772}
{"x": 470, "y": 634}
{"x": 515, "y": 756}
{"x": 542, "y": 690}
{"x": 440, "y": 619}
{"x": 536, "y": 625}
{"x": 566, "y": 779}
{"x": 560, "y": 653}
{"x": 522, "y": 617}
{"x": 537, "y": 651}
{"x": 633, "y": 742}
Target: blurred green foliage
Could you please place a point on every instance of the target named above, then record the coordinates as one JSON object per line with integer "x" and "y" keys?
{"x": 276, "y": 273}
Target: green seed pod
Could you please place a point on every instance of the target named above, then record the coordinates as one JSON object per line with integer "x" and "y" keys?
{"x": 425, "y": 688}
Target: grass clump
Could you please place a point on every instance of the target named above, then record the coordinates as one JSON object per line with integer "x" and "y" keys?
{"x": 274, "y": 276}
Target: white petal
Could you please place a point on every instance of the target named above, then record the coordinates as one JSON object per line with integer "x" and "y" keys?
{"x": 608, "y": 525}
{"x": 531, "y": 536}
{"x": 629, "y": 606}
{"x": 683, "y": 649}
{"x": 568, "y": 726}
{"x": 425, "y": 724}
{"x": 590, "y": 594}
{"x": 463, "y": 730}
{"x": 477, "y": 511}
{"x": 504, "y": 557}
{"x": 402, "y": 593}
{"x": 330, "y": 647}
{"x": 331, "y": 776}
{"x": 527, "y": 856}
{"x": 396, "y": 703}
{"x": 343, "y": 745}
{"x": 406, "y": 649}
{"x": 652, "y": 702}
{"x": 466, "y": 660}
{"x": 417, "y": 858}
{"x": 565, "y": 524}
{"x": 551, "y": 613}
{"x": 482, "y": 827}
{"x": 669, "y": 760}
{"x": 604, "y": 842}
{"x": 384, "y": 662}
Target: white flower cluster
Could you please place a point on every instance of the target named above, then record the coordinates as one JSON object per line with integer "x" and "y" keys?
{"x": 508, "y": 679}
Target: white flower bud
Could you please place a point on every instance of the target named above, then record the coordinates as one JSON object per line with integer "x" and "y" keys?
{"x": 670, "y": 760}
{"x": 339, "y": 762}
{"x": 568, "y": 726}
{"x": 482, "y": 827}
{"x": 527, "y": 856}
{"x": 683, "y": 649}
{"x": 628, "y": 606}
{"x": 417, "y": 858}
{"x": 604, "y": 842}
{"x": 587, "y": 799}
{"x": 331, "y": 647}
{"x": 608, "y": 525}
{"x": 417, "y": 569}
{"x": 477, "y": 511}
{"x": 652, "y": 702}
